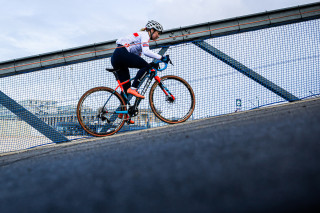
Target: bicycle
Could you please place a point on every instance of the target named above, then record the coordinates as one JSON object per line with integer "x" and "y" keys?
{"x": 102, "y": 111}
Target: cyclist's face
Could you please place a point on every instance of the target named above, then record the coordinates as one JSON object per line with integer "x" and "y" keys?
{"x": 155, "y": 35}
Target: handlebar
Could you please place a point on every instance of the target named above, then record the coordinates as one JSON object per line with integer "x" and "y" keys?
{"x": 165, "y": 64}
{"x": 165, "y": 67}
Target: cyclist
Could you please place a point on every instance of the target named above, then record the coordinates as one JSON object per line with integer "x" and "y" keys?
{"x": 128, "y": 55}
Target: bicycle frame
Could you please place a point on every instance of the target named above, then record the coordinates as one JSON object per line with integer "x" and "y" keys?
{"x": 151, "y": 74}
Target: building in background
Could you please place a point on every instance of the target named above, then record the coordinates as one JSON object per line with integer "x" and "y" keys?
{"x": 62, "y": 118}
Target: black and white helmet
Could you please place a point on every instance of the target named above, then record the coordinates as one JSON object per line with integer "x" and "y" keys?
{"x": 154, "y": 25}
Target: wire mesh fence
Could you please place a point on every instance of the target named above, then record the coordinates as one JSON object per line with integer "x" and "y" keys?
{"x": 287, "y": 56}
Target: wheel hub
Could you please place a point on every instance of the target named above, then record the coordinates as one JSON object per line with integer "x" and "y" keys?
{"x": 170, "y": 99}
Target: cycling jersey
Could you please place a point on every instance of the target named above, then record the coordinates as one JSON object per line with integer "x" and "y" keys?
{"x": 137, "y": 43}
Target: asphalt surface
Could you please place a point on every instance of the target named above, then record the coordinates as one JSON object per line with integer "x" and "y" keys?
{"x": 264, "y": 160}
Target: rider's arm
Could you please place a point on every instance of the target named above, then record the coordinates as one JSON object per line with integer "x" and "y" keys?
{"x": 145, "y": 47}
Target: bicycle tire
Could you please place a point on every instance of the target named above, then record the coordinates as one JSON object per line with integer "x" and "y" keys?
{"x": 96, "y": 111}
{"x": 183, "y": 93}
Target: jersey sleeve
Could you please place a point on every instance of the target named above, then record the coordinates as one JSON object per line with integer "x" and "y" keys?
{"x": 145, "y": 47}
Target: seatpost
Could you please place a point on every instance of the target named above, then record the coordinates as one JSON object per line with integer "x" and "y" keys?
{"x": 116, "y": 75}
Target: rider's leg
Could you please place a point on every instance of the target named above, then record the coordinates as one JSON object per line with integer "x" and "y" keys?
{"x": 118, "y": 61}
{"x": 122, "y": 58}
{"x": 137, "y": 62}
{"x": 124, "y": 75}
{"x": 139, "y": 77}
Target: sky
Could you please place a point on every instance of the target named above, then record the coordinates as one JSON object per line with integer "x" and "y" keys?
{"x": 33, "y": 27}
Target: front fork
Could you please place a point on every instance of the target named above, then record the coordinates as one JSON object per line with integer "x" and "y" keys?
{"x": 170, "y": 98}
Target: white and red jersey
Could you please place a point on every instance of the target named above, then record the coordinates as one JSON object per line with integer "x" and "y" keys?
{"x": 138, "y": 43}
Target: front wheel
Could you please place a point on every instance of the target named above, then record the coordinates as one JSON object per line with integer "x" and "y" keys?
{"x": 172, "y": 100}
{"x": 98, "y": 111}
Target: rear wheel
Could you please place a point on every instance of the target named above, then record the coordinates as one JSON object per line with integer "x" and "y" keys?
{"x": 172, "y": 100}
{"x": 98, "y": 111}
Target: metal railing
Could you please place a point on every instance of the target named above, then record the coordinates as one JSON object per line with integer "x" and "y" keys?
{"x": 232, "y": 65}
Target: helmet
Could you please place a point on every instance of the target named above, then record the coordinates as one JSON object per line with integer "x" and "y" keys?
{"x": 154, "y": 25}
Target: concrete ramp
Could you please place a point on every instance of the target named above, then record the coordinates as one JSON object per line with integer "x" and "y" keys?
{"x": 264, "y": 160}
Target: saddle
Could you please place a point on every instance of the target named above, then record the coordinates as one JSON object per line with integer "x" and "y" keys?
{"x": 112, "y": 70}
